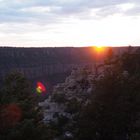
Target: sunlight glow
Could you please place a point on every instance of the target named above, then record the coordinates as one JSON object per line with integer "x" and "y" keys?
{"x": 99, "y": 48}
{"x": 100, "y": 52}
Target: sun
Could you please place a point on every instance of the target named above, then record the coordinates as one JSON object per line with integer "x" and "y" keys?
{"x": 99, "y": 53}
{"x": 99, "y": 48}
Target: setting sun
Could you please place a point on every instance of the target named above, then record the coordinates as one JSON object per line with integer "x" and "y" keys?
{"x": 99, "y": 48}
{"x": 100, "y": 52}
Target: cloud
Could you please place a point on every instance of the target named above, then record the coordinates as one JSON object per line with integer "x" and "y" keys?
{"x": 133, "y": 11}
{"x": 52, "y": 11}
{"x": 66, "y": 21}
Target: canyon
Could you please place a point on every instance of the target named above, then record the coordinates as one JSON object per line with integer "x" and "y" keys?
{"x": 52, "y": 63}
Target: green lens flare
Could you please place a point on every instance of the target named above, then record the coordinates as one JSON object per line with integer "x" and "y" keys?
{"x": 38, "y": 90}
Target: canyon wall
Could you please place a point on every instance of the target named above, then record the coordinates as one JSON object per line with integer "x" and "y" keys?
{"x": 37, "y": 62}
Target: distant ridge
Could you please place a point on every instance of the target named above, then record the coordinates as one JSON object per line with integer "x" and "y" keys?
{"x": 37, "y": 63}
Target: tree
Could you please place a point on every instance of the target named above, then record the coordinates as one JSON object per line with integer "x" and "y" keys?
{"x": 113, "y": 112}
{"x": 19, "y": 116}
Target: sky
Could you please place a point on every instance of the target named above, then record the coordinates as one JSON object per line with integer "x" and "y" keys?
{"x": 58, "y": 23}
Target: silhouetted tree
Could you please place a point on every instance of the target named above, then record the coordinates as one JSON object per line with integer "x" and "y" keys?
{"x": 19, "y": 114}
{"x": 115, "y": 107}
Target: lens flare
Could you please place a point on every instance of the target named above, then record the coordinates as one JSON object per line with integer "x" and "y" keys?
{"x": 40, "y": 88}
{"x": 10, "y": 115}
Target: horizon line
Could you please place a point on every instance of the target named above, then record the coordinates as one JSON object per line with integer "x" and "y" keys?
{"x": 64, "y": 46}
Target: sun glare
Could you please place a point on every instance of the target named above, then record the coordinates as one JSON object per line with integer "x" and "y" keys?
{"x": 99, "y": 52}
{"x": 99, "y": 48}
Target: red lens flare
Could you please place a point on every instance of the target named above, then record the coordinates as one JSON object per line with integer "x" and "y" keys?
{"x": 40, "y": 88}
{"x": 10, "y": 115}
